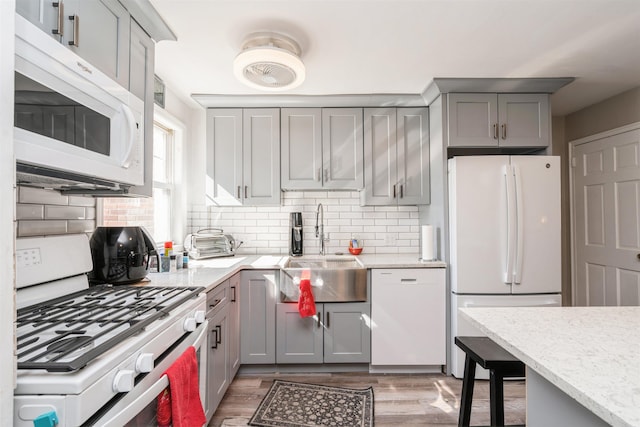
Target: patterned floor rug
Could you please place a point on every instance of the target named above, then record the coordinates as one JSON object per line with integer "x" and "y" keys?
{"x": 291, "y": 404}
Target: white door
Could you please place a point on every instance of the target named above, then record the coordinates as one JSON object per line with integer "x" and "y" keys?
{"x": 537, "y": 256}
{"x": 606, "y": 200}
{"x": 478, "y": 224}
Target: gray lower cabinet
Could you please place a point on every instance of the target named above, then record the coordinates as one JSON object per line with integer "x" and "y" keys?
{"x": 234, "y": 324}
{"x": 223, "y": 357}
{"x": 339, "y": 333}
{"x": 258, "y": 293}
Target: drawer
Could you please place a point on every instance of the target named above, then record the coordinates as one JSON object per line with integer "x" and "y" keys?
{"x": 217, "y": 298}
{"x": 423, "y": 276}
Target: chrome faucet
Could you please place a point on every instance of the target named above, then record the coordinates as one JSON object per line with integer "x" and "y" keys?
{"x": 320, "y": 228}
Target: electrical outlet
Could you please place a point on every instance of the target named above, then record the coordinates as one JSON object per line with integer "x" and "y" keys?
{"x": 390, "y": 239}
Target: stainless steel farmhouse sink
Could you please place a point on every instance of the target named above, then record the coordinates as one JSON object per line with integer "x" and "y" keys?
{"x": 333, "y": 279}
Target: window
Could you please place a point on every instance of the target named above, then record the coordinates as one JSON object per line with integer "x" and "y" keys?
{"x": 163, "y": 139}
{"x": 155, "y": 213}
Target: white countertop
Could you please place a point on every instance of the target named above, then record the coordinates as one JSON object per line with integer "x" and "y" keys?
{"x": 590, "y": 353}
{"x": 211, "y": 272}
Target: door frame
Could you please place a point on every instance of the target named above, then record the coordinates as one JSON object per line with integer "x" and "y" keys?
{"x": 572, "y": 209}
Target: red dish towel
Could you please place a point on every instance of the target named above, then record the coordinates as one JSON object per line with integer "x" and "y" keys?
{"x": 186, "y": 407}
{"x": 306, "y": 303}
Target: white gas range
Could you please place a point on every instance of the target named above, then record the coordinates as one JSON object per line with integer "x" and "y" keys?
{"x": 95, "y": 355}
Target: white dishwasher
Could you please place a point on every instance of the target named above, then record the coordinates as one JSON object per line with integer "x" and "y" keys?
{"x": 408, "y": 317}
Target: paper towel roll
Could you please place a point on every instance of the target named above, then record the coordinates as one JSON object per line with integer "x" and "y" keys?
{"x": 426, "y": 243}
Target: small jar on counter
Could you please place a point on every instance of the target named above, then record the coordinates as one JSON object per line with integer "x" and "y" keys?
{"x": 173, "y": 266}
{"x": 185, "y": 259}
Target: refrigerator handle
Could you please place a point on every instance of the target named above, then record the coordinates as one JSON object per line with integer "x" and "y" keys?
{"x": 508, "y": 175}
{"x": 519, "y": 225}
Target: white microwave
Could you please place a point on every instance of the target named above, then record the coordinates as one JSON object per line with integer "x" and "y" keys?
{"x": 72, "y": 123}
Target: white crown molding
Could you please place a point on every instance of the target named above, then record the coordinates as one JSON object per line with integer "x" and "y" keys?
{"x": 356, "y": 100}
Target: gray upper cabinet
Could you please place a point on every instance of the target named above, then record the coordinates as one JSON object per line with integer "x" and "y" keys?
{"x": 243, "y": 156}
{"x": 141, "y": 79}
{"x": 97, "y": 30}
{"x": 342, "y": 148}
{"x": 499, "y": 120}
{"x": 48, "y": 15}
{"x": 261, "y": 156}
{"x": 301, "y": 145}
{"x": 322, "y": 148}
{"x": 396, "y": 152}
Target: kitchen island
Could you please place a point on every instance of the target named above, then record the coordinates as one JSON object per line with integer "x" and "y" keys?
{"x": 583, "y": 363}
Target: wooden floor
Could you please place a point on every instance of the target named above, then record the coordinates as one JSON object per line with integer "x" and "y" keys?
{"x": 399, "y": 400}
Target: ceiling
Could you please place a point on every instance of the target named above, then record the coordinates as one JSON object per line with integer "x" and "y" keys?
{"x": 399, "y": 46}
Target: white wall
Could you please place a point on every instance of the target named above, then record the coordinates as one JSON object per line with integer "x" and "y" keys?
{"x": 7, "y": 214}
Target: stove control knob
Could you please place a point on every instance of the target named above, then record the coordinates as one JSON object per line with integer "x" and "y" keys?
{"x": 123, "y": 382}
{"x": 144, "y": 363}
{"x": 189, "y": 324}
{"x": 199, "y": 315}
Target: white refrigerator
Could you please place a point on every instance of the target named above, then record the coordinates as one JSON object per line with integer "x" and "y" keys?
{"x": 504, "y": 237}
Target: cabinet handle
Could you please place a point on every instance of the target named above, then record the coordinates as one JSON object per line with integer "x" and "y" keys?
{"x": 495, "y": 131}
{"x": 394, "y": 191}
{"x": 233, "y": 298}
{"x": 215, "y": 302}
{"x": 246, "y": 191}
{"x": 401, "y": 191}
{"x": 319, "y": 320}
{"x": 219, "y": 334}
{"x": 328, "y": 319}
{"x": 60, "y": 30}
{"x": 504, "y": 131}
{"x": 215, "y": 342}
{"x": 408, "y": 280}
{"x": 238, "y": 192}
{"x": 76, "y": 30}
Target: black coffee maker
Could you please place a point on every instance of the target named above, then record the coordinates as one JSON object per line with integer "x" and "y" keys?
{"x": 295, "y": 240}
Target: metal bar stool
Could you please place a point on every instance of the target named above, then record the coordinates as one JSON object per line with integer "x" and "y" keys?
{"x": 500, "y": 363}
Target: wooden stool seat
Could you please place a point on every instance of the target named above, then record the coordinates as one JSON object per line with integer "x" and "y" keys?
{"x": 500, "y": 363}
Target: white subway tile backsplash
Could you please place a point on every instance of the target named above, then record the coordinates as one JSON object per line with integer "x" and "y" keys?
{"x": 382, "y": 229}
{"x": 80, "y": 226}
{"x": 64, "y": 212}
{"x": 41, "y": 196}
{"x": 41, "y": 228}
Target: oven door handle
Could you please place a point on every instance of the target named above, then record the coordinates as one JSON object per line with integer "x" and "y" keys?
{"x": 127, "y": 413}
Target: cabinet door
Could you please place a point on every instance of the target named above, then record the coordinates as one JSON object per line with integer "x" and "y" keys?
{"x": 218, "y": 359}
{"x": 98, "y": 31}
{"x": 524, "y": 120}
{"x": 301, "y": 145}
{"x": 234, "y": 326}
{"x": 258, "y": 290}
{"x": 412, "y": 149}
{"x": 261, "y": 156}
{"x": 342, "y": 148}
{"x": 380, "y": 156}
{"x": 408, "y": 308}
{"x": 141, "y": 80}
{"x": 298, "y": 339}
{"x": 45, "y": 14}
{"x": 224, "y": 156}
{"x": 347, "y": 336}
{"x": 473, "y": 119}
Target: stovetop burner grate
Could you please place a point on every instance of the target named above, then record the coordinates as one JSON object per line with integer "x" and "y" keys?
{"x": 66, "y": 333}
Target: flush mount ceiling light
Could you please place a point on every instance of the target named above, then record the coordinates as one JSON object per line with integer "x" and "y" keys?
{"x": 269, "y": 61}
